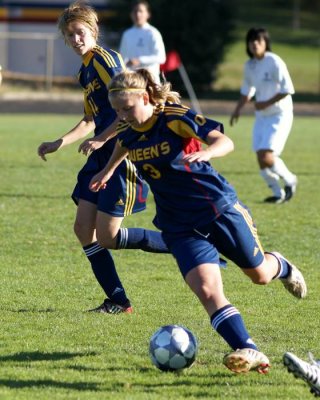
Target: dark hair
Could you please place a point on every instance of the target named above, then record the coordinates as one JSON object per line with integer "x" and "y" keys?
{"x": 135, "y": 3}
{"x": 257, "y": 34}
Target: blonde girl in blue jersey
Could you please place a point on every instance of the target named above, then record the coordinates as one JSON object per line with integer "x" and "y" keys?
{"x": 196, "y": 208}
{"x": 99, "y": 216}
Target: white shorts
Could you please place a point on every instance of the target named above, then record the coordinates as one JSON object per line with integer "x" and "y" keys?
{"x": 270, "y": 132}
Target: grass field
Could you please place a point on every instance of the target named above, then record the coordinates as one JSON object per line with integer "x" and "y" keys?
{"x": 51, "y": 349}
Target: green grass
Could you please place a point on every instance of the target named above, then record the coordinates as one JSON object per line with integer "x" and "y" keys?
{"x": 51, "y": 349}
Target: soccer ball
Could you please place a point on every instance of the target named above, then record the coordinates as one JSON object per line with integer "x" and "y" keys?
{"x": 173, "y": 347}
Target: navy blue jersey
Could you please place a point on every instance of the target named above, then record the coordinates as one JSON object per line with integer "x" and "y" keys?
{"x": 97, "y": 70}
{"x": 186, "y": 195}
{"x": 127, "y": 193}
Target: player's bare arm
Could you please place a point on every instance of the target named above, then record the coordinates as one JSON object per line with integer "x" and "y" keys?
{"x": 236, "y": 113}
{"x": 83, "y": 128}
{"x": 99, "y": 180}
{"x": 261, "y": 105}
{"x": 219, "y": 145}
{"x": 92, "y": 144}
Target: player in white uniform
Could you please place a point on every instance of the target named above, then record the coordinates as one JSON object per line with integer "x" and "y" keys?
{"x": 267, "y": 78}
{"x": 142, "y": 45}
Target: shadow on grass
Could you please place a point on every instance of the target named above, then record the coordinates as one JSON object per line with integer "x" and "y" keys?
{"x": 48, "y": 383}
{"x": 45, "y": 383}
{"x": 32, "y": 196}
{"x": 26, "y": 310}
{"x": 41, "y": 356}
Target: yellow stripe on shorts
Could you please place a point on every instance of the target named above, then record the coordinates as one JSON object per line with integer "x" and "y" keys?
{"x": 247, "y": 217}
{"x": 131, "y": 180}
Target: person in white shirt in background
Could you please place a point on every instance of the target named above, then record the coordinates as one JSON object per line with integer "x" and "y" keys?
{"x": 267, "y": 78}
{"x": 142, "y": 45}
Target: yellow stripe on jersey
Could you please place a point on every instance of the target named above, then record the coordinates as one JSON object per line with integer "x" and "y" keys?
{"x": 87, "y": 108}
{"x": 87, "y": 59}
{"x": 102, "y": 72}
{"x": 131, "y": 180}
{"x": 247, "y": 217}
{"x": 182, "y": 129}
{"x": 175, "y": 113}
{"x": 122, "y": 126}
{"x": 175, "y": 110}
{"x": 110, "y": 61}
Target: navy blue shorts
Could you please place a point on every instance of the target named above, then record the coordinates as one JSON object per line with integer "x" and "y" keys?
{"x": 233, "y": 235}
{"x": 125, "y": 194}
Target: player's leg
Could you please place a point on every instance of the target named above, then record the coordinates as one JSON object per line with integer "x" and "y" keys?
{"x": 262, "y": 134}
{"x": 204, "y": 279}
{"x": 265, "y": 160}
{"x": 290, "y": 180}
{"x": 100, "y": 258}
{"x": 140, "y": 238}
{"x": 291, "y": 278}
{"x": 237, "y": 238}
{"x": 282, "y": 130}
{"x": 112, "y": 236}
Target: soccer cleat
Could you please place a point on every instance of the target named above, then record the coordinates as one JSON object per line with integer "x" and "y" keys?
{"x": 290, "y": 190}
{"x": 274, "y": 200}
{"x": 245, "y": 360}
{"x": 308, "y": 371}
{"x": 294, "y": 283}
{"x": 109, "y": 307}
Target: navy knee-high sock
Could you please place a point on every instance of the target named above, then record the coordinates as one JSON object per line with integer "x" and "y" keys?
{"x": 105, "y": 272}
{"x": 143, "y": 239}
{"x": 228, "y": 322}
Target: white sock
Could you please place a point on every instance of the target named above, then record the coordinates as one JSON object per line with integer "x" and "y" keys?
{"x": 280, "y": 168}
{"x": 272, "y": 181}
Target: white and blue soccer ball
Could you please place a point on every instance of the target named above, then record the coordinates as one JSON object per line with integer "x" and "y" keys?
{"x": 173, "y": 347}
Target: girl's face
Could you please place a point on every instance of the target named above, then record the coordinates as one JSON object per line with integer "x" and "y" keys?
{"x": 258, "y": 47}
{"x": 140, "y": 15}
{"x": 133, "y": 108}
{"x": 80, "y": 37}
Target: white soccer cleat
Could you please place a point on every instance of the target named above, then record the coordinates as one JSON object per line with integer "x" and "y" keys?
{"x": 308, "y": 371}
{"x": 245, "y": 360}
{"x": 294, "y": 283}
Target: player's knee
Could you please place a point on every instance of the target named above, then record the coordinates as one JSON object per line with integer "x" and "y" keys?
{"x": 265, "y": 159}
{"x": 83, "y": 233}
{"x": 204, "y": 292}
{"x": 78, "y": 229}
{"x": 260, "y": 279}
{"x": 107, "y": 241}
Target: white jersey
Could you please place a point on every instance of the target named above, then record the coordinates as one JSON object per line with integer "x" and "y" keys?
{"x": 265, "y": 78}
{"x": 146, "y": 44}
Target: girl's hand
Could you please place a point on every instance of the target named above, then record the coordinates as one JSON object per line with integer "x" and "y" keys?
{"x": 90, "y": 145}
{"x": 198, "y": 156}
{"x": 48, "y": 147}
{"x": 234, "y": 117}
{"x": 98, "y": 182}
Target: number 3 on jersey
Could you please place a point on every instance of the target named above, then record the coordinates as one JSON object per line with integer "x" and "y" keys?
{"x": 152, "y": 171}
